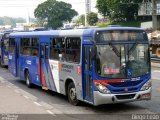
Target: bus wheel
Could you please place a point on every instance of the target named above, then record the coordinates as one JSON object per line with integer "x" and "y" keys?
{"x": 72, "y": 96}
{"x": 27, "y": 78}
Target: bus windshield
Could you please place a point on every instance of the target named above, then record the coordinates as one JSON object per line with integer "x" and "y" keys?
{"x": 122, "y": 60}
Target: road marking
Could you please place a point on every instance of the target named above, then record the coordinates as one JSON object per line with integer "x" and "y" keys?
{"x": 11, "y": 84}
{"x": 17, "y": 91}
{"x": 16, "y": 87}
{"x": 26, "y": 97}
{"x": 37, "y": 104}
{"x": 8, "y": 86}
{"x": 2, "y": 81}
{"x": 50, "y": 112}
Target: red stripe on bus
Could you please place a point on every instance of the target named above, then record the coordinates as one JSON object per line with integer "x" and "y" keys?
{"x": 105, "y": 82}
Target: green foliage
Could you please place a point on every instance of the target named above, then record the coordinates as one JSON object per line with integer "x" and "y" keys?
{"x": 104, "y": 24}
{"x": 119, "y": 10}
{"x": 54, "y": 13}
{"x": 80, "y": 20}
{"x": 92, "y": 18}
{"x": 11, "y": 21}
{"x": 128, "y": 23}
{"x": 125, "y": 24}
{"x": 103, "y": 7}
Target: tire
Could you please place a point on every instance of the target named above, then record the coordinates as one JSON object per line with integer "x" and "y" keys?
{"x": 72, "y": 95}
{"x": 158, "y": 52}
{"x": 28, "y": 80}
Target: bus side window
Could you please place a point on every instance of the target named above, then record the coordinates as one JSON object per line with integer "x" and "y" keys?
{"x": 26, "y": 50}
{"x": 35, "y": 51}
{"x": 12, "y": 45}
{"x": 34, "y": 46}
{"x": 57, "y": 48}
{"x": 25, "y": 46}
{"x": 73, "y": 48}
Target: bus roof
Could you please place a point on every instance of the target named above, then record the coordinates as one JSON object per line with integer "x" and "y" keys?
{"x": 73, "y": 32}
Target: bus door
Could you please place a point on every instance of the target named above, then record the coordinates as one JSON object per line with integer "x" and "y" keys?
{"x": 43, "y": 66}
{"x": 87, "y": 79}
{"x": 14, "y": 57}
{"x": 4, "y": 49}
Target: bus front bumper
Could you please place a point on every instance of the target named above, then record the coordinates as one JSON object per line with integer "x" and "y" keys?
{"x": 100, "y": 98}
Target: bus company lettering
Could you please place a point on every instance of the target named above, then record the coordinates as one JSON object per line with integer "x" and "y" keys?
{"x": 131, "y": 79}
{"x": 67, "y": 68}
{"x": 10, "y": 57}
{"x": 28, "y": 62}
{"x": 6, "y": 58}
{"x": 54, "y": 65}
{"x": 135, "y": 79}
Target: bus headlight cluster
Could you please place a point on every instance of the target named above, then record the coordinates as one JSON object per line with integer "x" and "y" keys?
{"x": 102, "y": 88}
{"x": 147, "y": 85}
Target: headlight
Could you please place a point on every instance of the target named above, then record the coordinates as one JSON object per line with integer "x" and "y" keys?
{"x": 147, "y": 85}
{"x": 102, "y": 88}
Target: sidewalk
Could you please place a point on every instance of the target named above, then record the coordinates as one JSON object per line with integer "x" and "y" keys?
{"x": 12, "y": 102}
{"x": 155, "y": 64}
{"x": 17, "y": 104}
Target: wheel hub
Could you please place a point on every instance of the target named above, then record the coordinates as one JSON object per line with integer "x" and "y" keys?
{"x": 27, "y": 80}
{"x": 73, "y": 93}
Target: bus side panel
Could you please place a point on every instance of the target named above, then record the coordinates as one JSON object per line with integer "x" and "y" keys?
{"x": 53, "y": 73}
{"x": 12, "y": 64}
{"x": 34, "y": 70}
{"x": 22, "y": 67}
{"x": 31, "y": 64}
{"x": 71, "y": 71}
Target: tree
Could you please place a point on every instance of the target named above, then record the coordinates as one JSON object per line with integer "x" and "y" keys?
{"x": 128, "y": 9}
{"x": 80, "y": 20}
{"x": 119, "y": 10}
{"x": 92, "y": 18}
{"x": 54, "y": 13}
{"x": 103, "y": 7}
{"x": 1, "y": 21}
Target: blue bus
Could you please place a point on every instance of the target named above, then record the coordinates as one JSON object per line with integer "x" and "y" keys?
{"x": 4, "y": 47}
{"x": 97, "y": 65}
{"x": 1, "y": 35}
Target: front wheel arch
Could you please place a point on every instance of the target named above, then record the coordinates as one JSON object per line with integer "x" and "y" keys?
{"x": 70, "y": 92}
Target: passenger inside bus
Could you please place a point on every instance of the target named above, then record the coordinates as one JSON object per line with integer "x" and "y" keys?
{"x": 35, "y": 52}
{"x": 26, "y": 51}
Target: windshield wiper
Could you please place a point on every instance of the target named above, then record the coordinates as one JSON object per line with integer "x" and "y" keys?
{"x": 132, "y": 48}
{"x": 114, "y": 49}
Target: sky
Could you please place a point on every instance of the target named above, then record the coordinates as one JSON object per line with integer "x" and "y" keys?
{"x": 23, "y": 8}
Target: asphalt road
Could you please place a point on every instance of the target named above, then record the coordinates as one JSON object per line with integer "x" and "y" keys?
{"x": 60, "y": 104}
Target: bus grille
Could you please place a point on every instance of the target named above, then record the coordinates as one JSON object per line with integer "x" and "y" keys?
{"x": 123, "y": 90}
{"x": 123, "y": 97}
{"x": 126, "y": 84}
